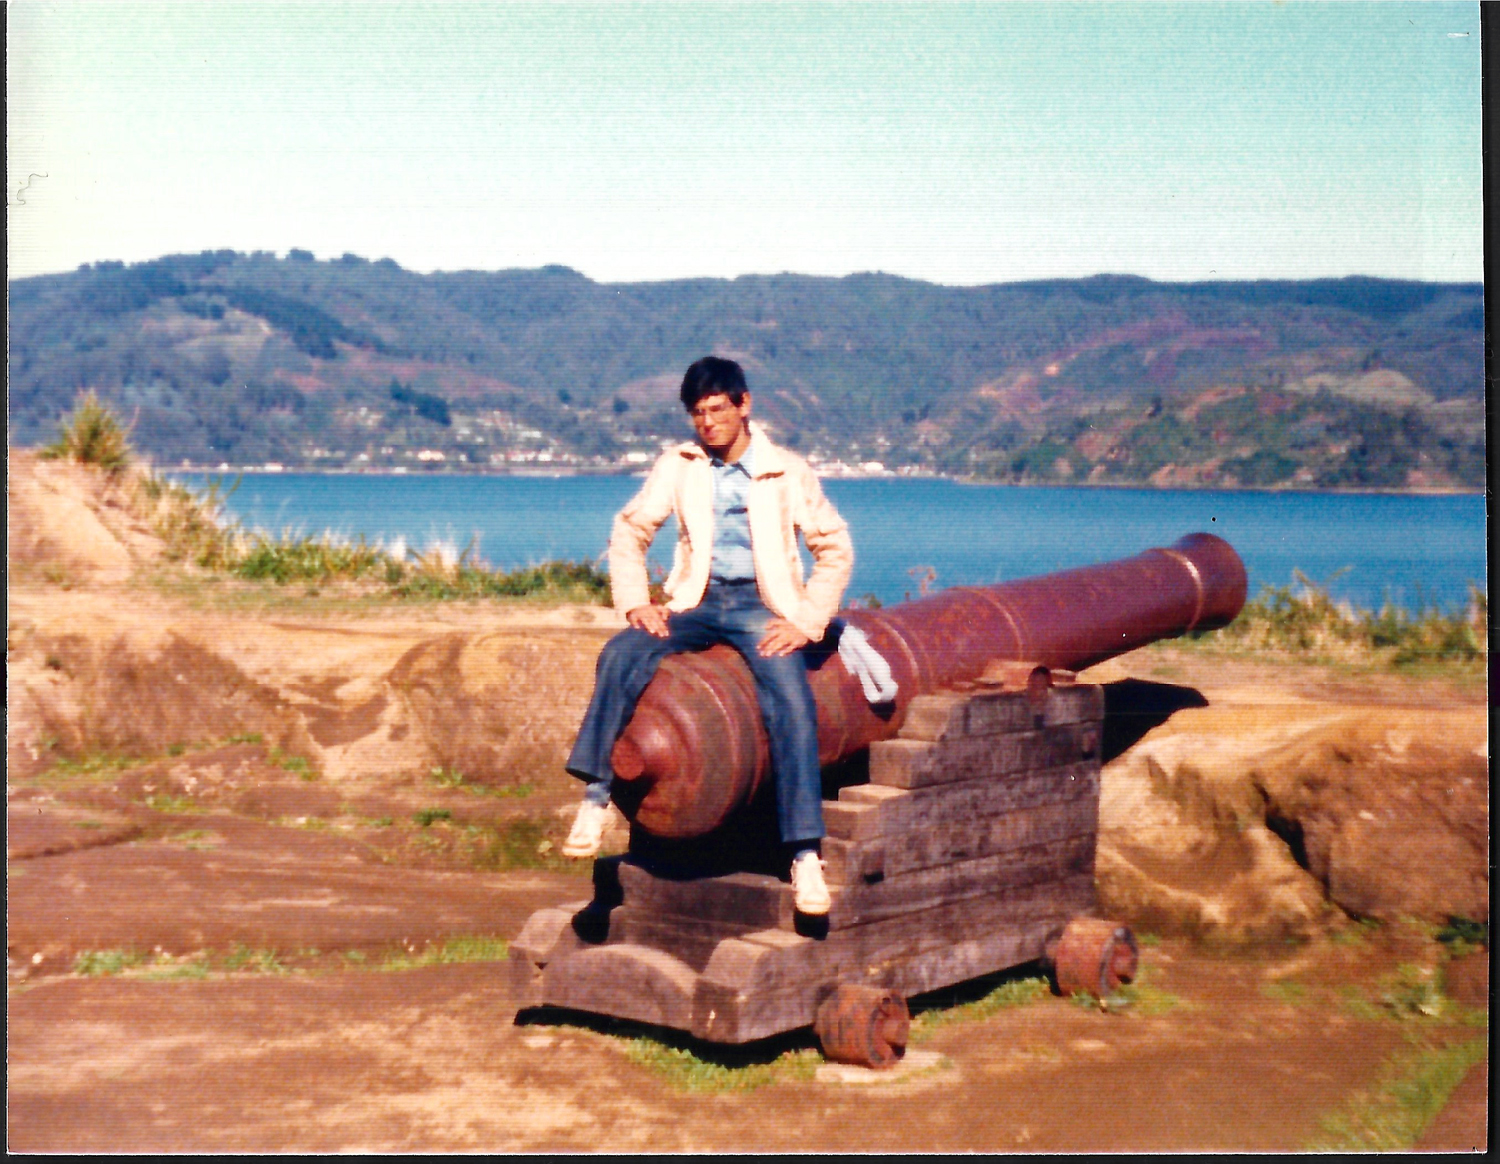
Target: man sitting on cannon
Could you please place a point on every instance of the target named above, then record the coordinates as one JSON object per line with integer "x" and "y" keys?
{"x": 737, "y": 579}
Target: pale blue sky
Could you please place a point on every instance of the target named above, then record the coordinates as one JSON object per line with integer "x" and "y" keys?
{"x": 960, "y": 143}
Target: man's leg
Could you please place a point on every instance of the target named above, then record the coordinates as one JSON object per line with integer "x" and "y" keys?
{"x": 625, "y": 668}
{"x": 791, "y": 720}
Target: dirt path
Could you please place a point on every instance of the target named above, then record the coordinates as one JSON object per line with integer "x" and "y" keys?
{"x": 430, "y": 1059}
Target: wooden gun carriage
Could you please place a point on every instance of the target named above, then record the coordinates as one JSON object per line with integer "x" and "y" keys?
{"x": 961, "y": 834}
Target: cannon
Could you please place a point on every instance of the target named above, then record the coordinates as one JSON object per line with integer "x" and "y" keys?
{"x": 964, "y": 846}
{"x": 695, "y": 749}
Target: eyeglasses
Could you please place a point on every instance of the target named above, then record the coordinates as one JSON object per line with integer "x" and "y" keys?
{"x": 713, "y": 411}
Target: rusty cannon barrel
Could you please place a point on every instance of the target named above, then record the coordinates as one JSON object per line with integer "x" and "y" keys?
{"x": 695, "y": 748}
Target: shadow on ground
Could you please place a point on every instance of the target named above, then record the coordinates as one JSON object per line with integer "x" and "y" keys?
{"x": 1132, "y": 707}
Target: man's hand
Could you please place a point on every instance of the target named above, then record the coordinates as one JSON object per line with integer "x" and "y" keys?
{"x": 781, "y": 638}
{"x": 650, "y": 618}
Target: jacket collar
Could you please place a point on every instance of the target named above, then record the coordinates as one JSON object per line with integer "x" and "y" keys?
{"x": 766, "y": 456}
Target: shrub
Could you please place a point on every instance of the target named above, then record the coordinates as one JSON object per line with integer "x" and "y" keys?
{"x": 1306, "y": 620}
{"x": 92, "y": 435}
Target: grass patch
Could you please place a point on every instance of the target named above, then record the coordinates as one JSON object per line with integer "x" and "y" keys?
{"x": 94, "y": 766}
{"x": 196, "y": 530}
{"x": 1409, "y": 992}
{"x": 164, "y": 967}
{"x": 451, "y": 952}
{"x": 1356, "y": 933}
{"x": 165, "y": 802}
{"x": 525, "y": 842}
{"x": 195, "y": 840}
{"x": 101, "y": 963}
{"x": 243, "y": 959}
{"x": 1141, "y": 997}
{"x": 1286, "y": 990}
{"x": 686, "y": 1070}
{"x": 1305, "y": 622}
{"x": 1461, "y": 936}
{"x": 1413, "y": 1088}
{"x": 445, "y": 777}
{"x": 298, "y": 765}
{"x": 1009, "y": 994}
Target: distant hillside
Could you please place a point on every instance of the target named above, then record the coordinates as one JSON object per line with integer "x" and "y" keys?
{"x": 223, "y": 357}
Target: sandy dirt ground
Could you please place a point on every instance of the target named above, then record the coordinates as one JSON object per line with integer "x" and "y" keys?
{"x": 257, "y": 900}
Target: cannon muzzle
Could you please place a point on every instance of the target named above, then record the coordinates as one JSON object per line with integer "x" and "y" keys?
{"x": 695, "y": 748}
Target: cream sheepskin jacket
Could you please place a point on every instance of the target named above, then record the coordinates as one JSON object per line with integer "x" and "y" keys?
{"x": 784, "y": 497}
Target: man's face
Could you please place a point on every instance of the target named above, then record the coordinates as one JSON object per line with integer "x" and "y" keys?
{"x": 721, "y": 424}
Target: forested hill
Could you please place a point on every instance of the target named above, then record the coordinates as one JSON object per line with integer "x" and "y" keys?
{"x": 229, "y": 358}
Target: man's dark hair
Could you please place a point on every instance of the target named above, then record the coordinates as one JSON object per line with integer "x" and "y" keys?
{"x": 711, "y": 376}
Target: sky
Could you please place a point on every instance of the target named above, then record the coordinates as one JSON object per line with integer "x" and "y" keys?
{"x": 960, "y": 143}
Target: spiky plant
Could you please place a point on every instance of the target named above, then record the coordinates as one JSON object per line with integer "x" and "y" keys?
{"x": 92, "y": 435}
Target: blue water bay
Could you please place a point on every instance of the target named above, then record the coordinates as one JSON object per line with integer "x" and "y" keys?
{"x": 1412, "y": 550}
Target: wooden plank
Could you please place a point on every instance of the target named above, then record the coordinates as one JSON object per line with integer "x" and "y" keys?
{"x": 750, "y": 965}
{"x": 960, "y": 838}
{"x": 954, "y": 715}
{"x": 691, "y": 939}
{"x": 903, "y": 810}
{"x": 756, "y": 900}
{"x": 849, "y": 820}
{"x": 862, "y": 794}
{"x": 625, "y": 981}
{"x": 918, "y": 763}
{"x": 753, "y": 900}
{"x": 849, "y": 862}
{"x": 861, "y": 904}
{"x": 1083, "y": 703}
{"x": 937, "y": 716}
{"x": 748, "y": 992}
{"x": 960, "y": 961}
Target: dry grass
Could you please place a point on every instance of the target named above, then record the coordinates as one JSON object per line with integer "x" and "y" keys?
{"x": 92, "y": 435}
{"x": 1304, "y": 622}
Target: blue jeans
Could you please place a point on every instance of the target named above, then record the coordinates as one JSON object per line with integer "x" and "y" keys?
{"x": 731, "y": 612}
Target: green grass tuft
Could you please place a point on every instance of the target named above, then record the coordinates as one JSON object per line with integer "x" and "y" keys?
{"x": 100, "y": 963}
{"x": 453, "y": 951}
{"x": 685, "y": 1070}
{"x": 298, "y": 765}
{"x": 244, "y": 959}
{"x": 92, "y": 435}
{"x": 1414, "y": 1088}
{"x": 1012, "y": 993}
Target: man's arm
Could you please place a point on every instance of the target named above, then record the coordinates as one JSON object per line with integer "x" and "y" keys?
{"x": 634, "y": 528}
{"x": 827, "y": 538}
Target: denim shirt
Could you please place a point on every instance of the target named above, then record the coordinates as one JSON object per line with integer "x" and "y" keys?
{"x": 732, "y": 560}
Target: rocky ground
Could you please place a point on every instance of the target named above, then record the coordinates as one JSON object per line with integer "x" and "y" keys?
{"x": 265, "y": 846}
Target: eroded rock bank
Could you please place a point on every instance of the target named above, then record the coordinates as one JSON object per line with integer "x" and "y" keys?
{"x": 1244, "y": 822}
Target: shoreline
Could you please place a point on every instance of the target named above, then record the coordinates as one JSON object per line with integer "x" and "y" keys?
{"x": 558, "y": 474}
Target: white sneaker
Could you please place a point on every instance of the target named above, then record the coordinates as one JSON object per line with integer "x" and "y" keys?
{"x": 587, "y": 833}
{"x": 809, "y": 891}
